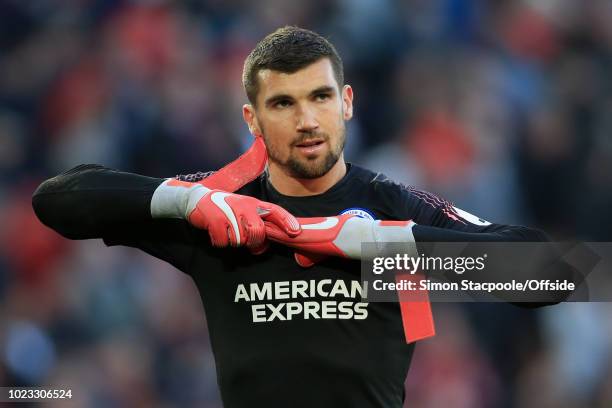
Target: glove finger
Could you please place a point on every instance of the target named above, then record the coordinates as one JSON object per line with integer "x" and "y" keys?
{"x": 307, "y": 259}
{"x": 219, "y": 234}
{"x": 274, "y": 233}
{"x": 255, "y": 231}
{"x": 235, "y": 238}
{"x": 250, "y": 225}
{"x": 260, "y": 249}
{"x": 282, "y": 218}
{"x": 303, "y": 260}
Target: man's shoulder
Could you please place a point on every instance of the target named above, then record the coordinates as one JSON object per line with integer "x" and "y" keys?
{"x": 378, "y": 181}
{"x": 401, "y": 200}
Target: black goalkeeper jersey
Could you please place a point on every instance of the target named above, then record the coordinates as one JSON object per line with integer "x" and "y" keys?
{"x": 282, "y": 336}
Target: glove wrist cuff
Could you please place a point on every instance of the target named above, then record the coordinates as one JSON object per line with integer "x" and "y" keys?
{"x": 387, "y": 233}
{"x": 358, "y": 230}
{"x": 394, "y": 231}
{"x": 176, "y": 199}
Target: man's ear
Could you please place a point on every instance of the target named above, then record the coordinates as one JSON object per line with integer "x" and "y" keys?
{"x": 248, "y": 114}
{"x": 347, "y": 102}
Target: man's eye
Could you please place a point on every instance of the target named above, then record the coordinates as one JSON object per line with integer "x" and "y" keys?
{"x": 283, "y": 103}
{"x": 322, "y": 96}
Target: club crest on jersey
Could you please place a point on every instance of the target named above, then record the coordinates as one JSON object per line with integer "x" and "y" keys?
{"x": 360, "y": 212}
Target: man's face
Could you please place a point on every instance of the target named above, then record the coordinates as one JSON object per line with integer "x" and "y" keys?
{"x": 301, "y": 118}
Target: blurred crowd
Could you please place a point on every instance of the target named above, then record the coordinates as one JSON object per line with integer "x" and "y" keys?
{"x": 503, "y": 107}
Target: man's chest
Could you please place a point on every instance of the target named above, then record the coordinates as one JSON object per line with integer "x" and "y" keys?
{"x": 267, "y": 306}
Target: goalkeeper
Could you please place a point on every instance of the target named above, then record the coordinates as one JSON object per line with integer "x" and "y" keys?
{"x": 282, "y": 335}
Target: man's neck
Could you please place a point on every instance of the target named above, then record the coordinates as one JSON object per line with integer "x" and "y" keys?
{"x": 300, "y": 187}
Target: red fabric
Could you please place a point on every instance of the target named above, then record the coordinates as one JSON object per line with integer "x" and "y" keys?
{"x": 390, "y": 223}
{"x": 241, "y": 171}
{"x": 417, "y": 318}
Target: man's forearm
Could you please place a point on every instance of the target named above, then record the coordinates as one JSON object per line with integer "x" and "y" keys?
{"x": 90, "y": 200}
{"x": 500, "y": 233}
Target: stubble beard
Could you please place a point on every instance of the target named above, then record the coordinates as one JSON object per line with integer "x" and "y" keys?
{"x": 306, "y": 168}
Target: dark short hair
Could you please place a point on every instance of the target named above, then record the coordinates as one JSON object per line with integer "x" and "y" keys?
{"x": 288, "y": 50}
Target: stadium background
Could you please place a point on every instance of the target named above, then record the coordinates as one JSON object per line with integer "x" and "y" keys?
{"x": 503, "y": 107}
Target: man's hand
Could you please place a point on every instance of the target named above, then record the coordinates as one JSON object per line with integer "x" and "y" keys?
{"x": 230, "y": 219}
{"x": 340, "y": 235}
{"x": 233, "y": 219}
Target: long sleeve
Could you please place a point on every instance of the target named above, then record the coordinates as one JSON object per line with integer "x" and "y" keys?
{"x": 90, "y": 201}
{"x": 494, "y": 233}
{"x": 440, "y": 221}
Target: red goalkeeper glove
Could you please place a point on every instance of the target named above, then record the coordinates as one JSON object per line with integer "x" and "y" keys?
{"x": 230, "y": 219}
{"x": 340, "y": 235}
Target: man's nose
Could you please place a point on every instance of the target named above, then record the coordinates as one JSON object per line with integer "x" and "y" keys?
{"x": 307, "y": 120}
